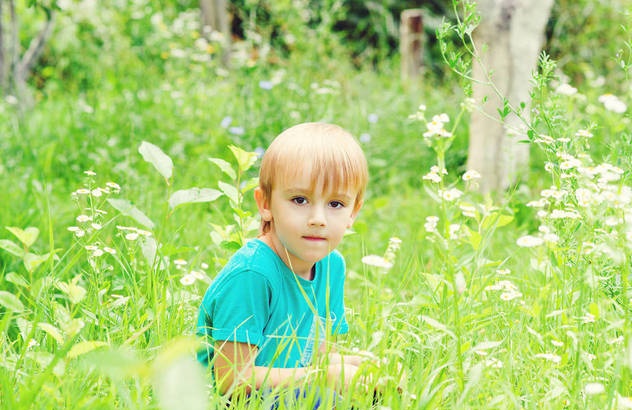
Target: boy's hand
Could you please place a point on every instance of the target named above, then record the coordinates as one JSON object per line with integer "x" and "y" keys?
{"x": 341, "y": 375}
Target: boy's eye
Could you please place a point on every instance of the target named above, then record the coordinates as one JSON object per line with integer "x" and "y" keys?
{"x": 299, "y": 200}
{"x": 336, "y": 204}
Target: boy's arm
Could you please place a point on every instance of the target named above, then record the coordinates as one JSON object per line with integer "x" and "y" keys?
{"x": 234, "y": 367}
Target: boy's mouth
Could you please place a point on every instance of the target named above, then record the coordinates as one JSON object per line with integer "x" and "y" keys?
{"x": 314, "y": 238}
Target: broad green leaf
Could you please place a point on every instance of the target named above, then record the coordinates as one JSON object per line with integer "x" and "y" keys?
{"x": 27, "y": 236}
{"x": 10, "y": 301}
{"x": 12, "y": 247}
{"x": 181, "y": 385}
{"x": 52, "y": 331}
{"x": 16, "y": 279}
{"x": 230, "y": 191}
{"x": 225, "y": 167}
{"x": 75, "y": 292}
{"x": 126, "y": 208}
{"x": 84, "y": 347}
{"x": 475, "y": 238}
{"x": 193, "y": 195}
{"x": 496, "y": 220}
{"x": 157, "y": 158}
{"x": 32, "y": 261}
{"x": 250, "y": 184}
{"x": 245, "y": 159}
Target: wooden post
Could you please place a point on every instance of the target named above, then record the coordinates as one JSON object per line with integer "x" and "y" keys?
{"x": 411, "y": 42}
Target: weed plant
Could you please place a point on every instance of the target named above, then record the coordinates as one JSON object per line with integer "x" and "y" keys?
{"x": 123, "y": 200}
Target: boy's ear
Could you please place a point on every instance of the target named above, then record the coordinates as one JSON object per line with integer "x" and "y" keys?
{"x": 263, "y": 204}
{"x": 354, "y": 214}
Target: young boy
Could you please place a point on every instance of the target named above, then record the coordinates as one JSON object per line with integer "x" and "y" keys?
{"x": 272, "y": 307}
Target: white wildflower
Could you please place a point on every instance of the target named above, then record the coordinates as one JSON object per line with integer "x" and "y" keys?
{"x": 377, "y": 261}
{"x": 132, "y": 236}
{"x": 83, "y": 218}
{"x": 613, "y": 103}
{"x": 549, "y": 356}
{"x": 450, "y": 194}
{"x": 594, "y": 388}
{"x": 584, "y": 134}
{"x": 529, "y": 241}
{"x": 471, "y": 174}
{"x": 566, "y": 89}
{"x": 90, "y": 173}
{"x": 431, "y": 223}
{"x": 187, "y": 280}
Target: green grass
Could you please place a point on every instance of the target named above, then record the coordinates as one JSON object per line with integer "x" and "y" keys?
{"x": 466, "y": 318}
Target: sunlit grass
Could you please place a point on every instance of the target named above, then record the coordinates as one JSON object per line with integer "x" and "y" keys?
{"x": 520, "y": 302}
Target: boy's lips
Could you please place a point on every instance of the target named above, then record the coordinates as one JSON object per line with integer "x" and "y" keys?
{"x": 314, "y": 238}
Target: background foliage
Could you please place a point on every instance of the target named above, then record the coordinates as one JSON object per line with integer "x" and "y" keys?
{"x": 96, "y": 321}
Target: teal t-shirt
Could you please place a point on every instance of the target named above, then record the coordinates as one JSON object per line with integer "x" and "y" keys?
{"x": 257, "y": 299}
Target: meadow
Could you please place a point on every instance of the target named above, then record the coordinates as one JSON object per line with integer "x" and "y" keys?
{"x": 128, "y": 184}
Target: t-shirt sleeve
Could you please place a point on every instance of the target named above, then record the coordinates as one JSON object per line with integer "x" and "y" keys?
{"x": 236, "y": 310}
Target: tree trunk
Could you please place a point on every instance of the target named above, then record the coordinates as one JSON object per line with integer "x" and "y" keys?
{"x": 508, "y": 38}
{"x": 215, "y": 18}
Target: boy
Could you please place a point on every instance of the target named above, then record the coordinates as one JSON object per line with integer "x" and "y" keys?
{"x": 271, "y": 308}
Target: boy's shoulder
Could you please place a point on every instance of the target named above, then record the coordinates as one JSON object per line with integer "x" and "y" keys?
{"x": 253, "y": 256}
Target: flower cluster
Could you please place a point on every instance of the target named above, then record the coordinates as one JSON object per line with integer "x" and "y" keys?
{"x": 384, "y": 262}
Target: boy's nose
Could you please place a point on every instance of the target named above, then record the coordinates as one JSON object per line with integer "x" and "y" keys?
{"x": 317, "y": 217}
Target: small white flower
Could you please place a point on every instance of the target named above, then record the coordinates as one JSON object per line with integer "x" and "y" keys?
{"x": 82, "y": 191}
{"x": 471, "y": 174}
{"x": 594, "y": 388}
{"x": 566, "y": 89}
{"x": 507, "y": 296}
{"x": 468, "y": 210}
{"x": 431, "y": 223}
{"x": 529, "y": 241}
{"x": 113, "y": 185}
{"x": 557, "y": 343}
{"x": 109, "y": 250}
{"x": 377, "y": 261}
{"x": 84, "y": 218}
{"x": 613, "y": 103}
{"x": 225, "y": 123}
{"x": 372, "y": 118}
{"x": 90, "y": 173}
{"x": 204, "y": 265}
{"x": 96, "y": 226}
{"x": 97, "y": 192}
{"x": 180, "y": 262}
{"x": 584, "y": 134}
{"x": 549, "y": 356}
{"x": 132, "y": 236}
{"x": 96, "y": 253}
{"x": 187, "y": 280}
{"x": 450, "y": 194}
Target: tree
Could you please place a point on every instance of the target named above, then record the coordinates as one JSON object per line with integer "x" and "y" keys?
{"x": 508, "y": 42}
{"x": 215, "y": 18}
{"x": 16, "y": 67}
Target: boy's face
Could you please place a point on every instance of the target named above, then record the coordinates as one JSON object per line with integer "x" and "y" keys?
{"x": 305, "y": 224}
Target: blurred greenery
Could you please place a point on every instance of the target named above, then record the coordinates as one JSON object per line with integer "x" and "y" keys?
{"x": 116, "y": 73}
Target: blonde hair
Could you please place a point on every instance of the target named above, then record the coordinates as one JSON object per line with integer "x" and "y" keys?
{"x": 328, "y": 152}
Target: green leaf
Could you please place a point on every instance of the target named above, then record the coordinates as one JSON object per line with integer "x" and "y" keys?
{"x": 12, "y": 247}
{"x": 230, "y": 191}
{"x": 245, "y": 159}
{"x": 225, "y": 167}
{"x": 193, "y": 195}
{"x": 157, "y": 158}
{"x": 32, "y": 261}
{"x": 52, "y": 331}
{"x": 126, "y": 208}
{"x": 27, "y": 236}
{"x": 75, "y": 292}
{"x": 250, "y": 184}
{"x": 84, "y": 347}
{"x": 496, "y": 220}
{"x": 10, "y": 301}
{"x": 16, "y": 279}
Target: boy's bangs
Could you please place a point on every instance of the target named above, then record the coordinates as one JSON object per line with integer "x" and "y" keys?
{"x": 334, "y": 170}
